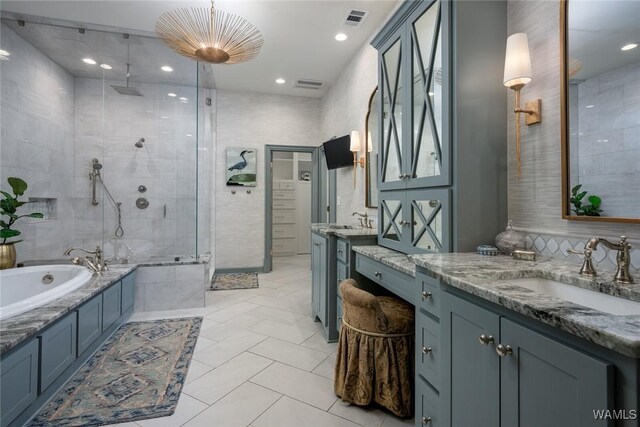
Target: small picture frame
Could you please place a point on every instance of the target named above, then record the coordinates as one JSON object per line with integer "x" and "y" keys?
{"x": 241, "y": 167}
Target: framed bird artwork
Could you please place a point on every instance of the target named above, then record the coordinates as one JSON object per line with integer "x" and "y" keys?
{"x": 241, "y": 167}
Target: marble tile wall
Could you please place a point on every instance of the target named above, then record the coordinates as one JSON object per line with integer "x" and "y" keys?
{"x": 607, "y": 141}
{"x": 170, "y": 287}
{"x": 344, "y": 108}
{"x": 253, "y": 120}
{"x": 535, "y": 197}
{"x": 37, "y": 144}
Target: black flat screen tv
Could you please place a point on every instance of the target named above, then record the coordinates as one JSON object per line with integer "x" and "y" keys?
{"x": 337, "y": 153}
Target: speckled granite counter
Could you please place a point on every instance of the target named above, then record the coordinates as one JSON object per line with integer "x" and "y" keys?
{"x": 18, "y": 329}
{"x": 477, "y": 275}
{"x": 393, "y": 259}
{"x": 346, "y": 233}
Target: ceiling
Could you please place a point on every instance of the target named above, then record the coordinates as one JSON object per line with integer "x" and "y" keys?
{"x": 299, "y": 39}
{"x": 597, "y": 31}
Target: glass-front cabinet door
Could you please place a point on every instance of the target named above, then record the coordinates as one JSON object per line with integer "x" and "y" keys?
{"x": 391, "y": 223}
{"x": 430, "y": 218}
{"x": 429, "y": 161}
{"x": 391, "y": 72}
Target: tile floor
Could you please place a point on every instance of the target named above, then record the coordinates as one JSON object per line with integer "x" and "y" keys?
{"x": 261, "y": 361}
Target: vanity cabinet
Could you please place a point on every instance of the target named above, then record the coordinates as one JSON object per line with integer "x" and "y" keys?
{"x": 18, "y": 381}
{"x": 319, "y": 277}
{"x": 441, "y": 120}
{"x": 89, "y": 323}
{"x": 499, "y": 372}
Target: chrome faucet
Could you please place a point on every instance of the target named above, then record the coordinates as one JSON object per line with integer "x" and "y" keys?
{"x": 623, "y": 259}
{"x": 365, "y": 222}
{"x": 95, "y": 263}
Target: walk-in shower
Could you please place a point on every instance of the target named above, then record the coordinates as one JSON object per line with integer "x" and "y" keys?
{"x": 94, "y": 176}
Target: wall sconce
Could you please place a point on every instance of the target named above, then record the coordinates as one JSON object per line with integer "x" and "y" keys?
{"x": 355, "y": 149}
{"x": 517, "y": 73}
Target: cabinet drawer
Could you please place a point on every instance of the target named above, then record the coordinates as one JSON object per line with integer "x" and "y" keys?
{"x": 428, "y": 348}
{"x": 283, "y": 245}
{"x": 342, "y": 251}
{"x": 284, "y": 195}
{"x": 89, "y": 323}
{"x": 287, "y": 185}
{"x": 283, "y": 205}
{"x": 57, "y": 349}
{"x": 428, "y": 296}
{"x": 283, "y": 217}
{"x": 111, "y": 305}
{"x": 399, "y": 283}
{"x": 427, "y": 405}
{"x": 18, "y": 381}
{"x": 283, "y": 230}
{"x": 128, "y": 292}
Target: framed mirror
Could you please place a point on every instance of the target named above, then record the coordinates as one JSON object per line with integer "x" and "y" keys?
{"x": 371, "y": 152}
{"x": 600, "y": 95}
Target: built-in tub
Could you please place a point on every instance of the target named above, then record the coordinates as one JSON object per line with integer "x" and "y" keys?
{"x": 23, "y": 289}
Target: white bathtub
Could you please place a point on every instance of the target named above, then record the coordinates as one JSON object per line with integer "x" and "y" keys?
{"x": 22, "y": 289}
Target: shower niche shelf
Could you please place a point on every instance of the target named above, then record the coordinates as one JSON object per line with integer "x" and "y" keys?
{"x": 46, "y": 206}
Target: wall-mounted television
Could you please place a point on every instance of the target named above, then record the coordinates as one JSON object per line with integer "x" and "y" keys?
{"x": 337, "y": 152}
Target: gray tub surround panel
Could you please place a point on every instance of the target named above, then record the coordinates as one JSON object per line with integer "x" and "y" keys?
{"x": 476, "y": 275}
{"x": 394, "y": 259}
{"x": 18, "y": 329}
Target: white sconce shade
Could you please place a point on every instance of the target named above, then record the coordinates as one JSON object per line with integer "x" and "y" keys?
{"x": 517, "y": 62}
{"x": 355, "y": 141}
{"x": 369, "y": 142}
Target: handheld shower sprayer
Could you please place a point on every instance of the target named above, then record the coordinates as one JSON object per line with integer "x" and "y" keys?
{"x": 140, "y": 143}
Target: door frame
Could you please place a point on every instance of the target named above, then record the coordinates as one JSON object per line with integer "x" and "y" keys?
{"x": 318, "y": 192}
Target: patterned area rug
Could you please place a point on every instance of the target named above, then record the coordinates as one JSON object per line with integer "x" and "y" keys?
{"x": 137, "y": 374}
{"x": 228, "y": 281}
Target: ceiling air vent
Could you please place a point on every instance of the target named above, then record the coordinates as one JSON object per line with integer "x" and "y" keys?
{"x": 308, "y": 84}
{"x": 355, "y": 18}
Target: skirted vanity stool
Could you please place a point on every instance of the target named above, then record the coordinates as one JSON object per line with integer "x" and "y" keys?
{"x": 375, "y": 361}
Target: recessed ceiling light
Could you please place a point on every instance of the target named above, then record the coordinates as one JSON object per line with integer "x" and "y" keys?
{"x": 89, "y": 61}
{"x": 281, "y": 81}
{"x": 183, "y": 98}
{"x": 171, "y": 94}
{"x": 166, "y": 68}
{"x": 629, "y": 46}
{"x": 590, "y": 106}
{"x": 105, "y": 66}
{"x": 341, "y": 37}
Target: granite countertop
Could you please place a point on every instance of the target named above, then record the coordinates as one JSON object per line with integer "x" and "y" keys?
{"x": 346, "y": 233}
{"x": 393, "y": 259}
{"x": 478, "y": 275}
{"x": 21, "y": 327}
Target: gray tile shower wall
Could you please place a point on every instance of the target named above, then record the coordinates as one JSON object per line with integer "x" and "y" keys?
{"x": 535, "y": 197}
{"x": 37, "y": 141}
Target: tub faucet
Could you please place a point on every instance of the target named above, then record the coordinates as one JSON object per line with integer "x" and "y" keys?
{"x": 623, "y": 258}
{"x": 95, "y": 263}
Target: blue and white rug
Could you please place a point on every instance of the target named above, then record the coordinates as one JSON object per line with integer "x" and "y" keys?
{"x": 137, "y": 374}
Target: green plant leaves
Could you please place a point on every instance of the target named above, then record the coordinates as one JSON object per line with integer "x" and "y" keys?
{"x": 6, "y": 233}
{"x": 17, "y": 185}
{"x": 580, "y": 209}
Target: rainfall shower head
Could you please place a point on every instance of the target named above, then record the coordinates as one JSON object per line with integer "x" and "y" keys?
{"x": 140, "y": 143}
{"x": 127, "y": 90}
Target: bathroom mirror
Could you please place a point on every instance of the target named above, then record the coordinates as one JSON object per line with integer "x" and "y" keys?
{"x": 371, "y": 152}
{"x": 600, "y": 57}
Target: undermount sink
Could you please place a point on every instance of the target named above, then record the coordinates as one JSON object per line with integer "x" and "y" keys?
{"x": 585, "y": 297}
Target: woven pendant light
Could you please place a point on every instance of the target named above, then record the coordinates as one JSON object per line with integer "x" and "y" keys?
{"x": 209, "y": 35}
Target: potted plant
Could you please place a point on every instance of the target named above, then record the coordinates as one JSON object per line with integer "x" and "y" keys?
{"x": 8, "y": 207}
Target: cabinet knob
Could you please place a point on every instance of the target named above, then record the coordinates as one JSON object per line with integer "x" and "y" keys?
{"x": 485, "y": 339}
{"x": 427, "y": 350}
{"x": 339, "y": 251}
{"x": 401, "y": 176}
{"x": 377, "y": 274}
{"x": 504, "y": 350}
{"x": 426, "y": 420}
{"x": 316, "y": 244}
{"x": 426, "y": 295}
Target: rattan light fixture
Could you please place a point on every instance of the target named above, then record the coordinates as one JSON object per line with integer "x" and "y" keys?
{"x": 209, "y": 35}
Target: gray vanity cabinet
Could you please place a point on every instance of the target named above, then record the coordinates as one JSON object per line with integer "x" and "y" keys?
{"x": 536, "y": 381}
{"x": 319, "y": 276}
{"x": 441, "y": 120}
{"x": 58, "y": 349}
{"x": 111, "y": 305}
{"x": 89, "y": 323}
{"x": 18, "y": 381}
{"x": 544, "y": 382}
